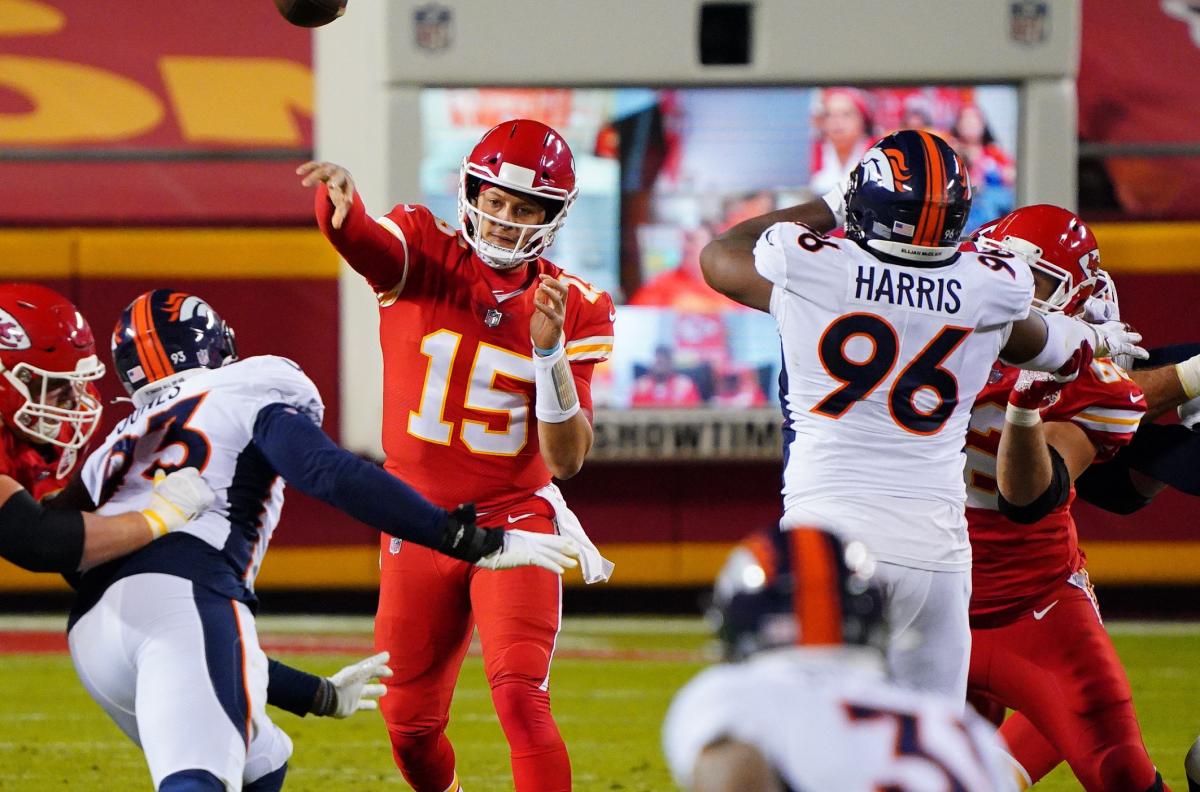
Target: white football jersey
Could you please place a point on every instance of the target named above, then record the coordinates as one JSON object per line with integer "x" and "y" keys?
{"x": 206, "y": 420}
{"x": 828, "y": 720}
{"x": 881, "y": 365}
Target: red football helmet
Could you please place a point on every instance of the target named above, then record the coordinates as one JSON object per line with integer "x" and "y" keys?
{"x": 47, "y": 364}
{"x": 1054, "y": 242}
{"x": 524, "y": 157}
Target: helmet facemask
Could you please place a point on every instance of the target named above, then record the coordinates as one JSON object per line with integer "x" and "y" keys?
{"x": 532, "y": 239}
{"x": 58, "y": 406}
{"x": 1065, "y": 293}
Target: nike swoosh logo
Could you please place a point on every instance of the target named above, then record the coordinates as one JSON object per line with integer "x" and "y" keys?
{"x": 1039, "y": 615}
{"x": 517, "y": 518}
{"x": 1137, "y": 398}
{"x": 612, "y": 316}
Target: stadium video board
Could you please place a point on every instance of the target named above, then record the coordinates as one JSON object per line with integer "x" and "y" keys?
{"x": 660, "y": 171}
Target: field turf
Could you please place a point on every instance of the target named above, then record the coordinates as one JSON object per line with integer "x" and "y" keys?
{"x": 611, "y": 684}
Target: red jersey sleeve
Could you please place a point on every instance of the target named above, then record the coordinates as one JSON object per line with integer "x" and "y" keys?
{"x": 396, "y": 253}
{"x": 1105, "y": 403}
{"x": 588, "y": 333}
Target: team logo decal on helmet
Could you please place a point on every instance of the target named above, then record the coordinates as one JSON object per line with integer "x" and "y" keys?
{"x": 909, "y": 197}
{"x": 165, "y": 332}
{"x": 12, "y": 335}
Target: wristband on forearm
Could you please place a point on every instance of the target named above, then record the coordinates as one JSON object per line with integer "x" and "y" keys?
{"x": 556, "y": 398}
{"x": 1022, "y": 416}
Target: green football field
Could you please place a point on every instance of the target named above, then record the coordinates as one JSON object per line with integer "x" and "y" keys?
{"x": 612, "y": 681}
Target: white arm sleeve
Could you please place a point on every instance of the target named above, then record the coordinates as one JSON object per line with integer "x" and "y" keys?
{"x": 1064, "y": 335}
{"x": 835, "y": 199}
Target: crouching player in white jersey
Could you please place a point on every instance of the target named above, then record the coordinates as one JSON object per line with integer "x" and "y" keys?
{"x": 888, "y": 336}
{"x": 164, "y": 639}
{"x": 811, "y": 708}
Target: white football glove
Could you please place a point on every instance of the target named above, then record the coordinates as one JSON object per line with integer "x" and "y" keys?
{"x": 1189, "y": 413}
{"x": 353, "y": 691}
{"x": 1097, "y": 310}
{"x": 525, "y": 548}
{"x": 1117, "y": 338}
{"x": 176, "y": 499}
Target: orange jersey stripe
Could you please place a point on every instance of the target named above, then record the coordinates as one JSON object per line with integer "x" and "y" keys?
{"x": 818, "y": 606}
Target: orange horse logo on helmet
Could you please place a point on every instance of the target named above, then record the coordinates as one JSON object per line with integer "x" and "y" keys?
{"x": 887, "y": 167}
{"x": 900, "y": 170}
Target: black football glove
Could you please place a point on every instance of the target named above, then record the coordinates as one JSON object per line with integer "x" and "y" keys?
{"x": 465, "y": 540}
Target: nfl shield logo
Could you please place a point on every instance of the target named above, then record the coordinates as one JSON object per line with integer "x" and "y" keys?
{"x": 1029, "y": 22}
{"x": 394, "y": 546}
{"x": 433, "y": 26}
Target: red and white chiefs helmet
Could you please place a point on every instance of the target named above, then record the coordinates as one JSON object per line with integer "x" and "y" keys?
{"x": 1054, "y": 242}
{"x": 47, "y": 362}
{"x": 524, "y": 157}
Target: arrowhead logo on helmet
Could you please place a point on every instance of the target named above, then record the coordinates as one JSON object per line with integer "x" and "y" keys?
{"x": 12, "y": 335}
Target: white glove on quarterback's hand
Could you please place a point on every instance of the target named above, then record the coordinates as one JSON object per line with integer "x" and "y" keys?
{"x": 525, "y": 548}
{"x": 176, "y": 499}
{"x": 351, "y": 683}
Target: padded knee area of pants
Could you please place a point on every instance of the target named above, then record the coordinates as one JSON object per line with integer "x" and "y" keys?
{"x": 191, "y": 781}
{"x": 520, "y": 661}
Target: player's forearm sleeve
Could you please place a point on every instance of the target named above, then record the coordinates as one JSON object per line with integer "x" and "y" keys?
{"x": 37, "y": 539}
{"x": 311, "y": 462}
{"x": 367, "y": 247}
{"x": 290, "y": 688}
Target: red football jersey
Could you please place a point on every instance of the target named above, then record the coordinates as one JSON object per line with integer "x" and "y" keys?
{"x": 36, "y": 467}
{"x": 458, "y": 379}
{"x": 1015, "y": 564}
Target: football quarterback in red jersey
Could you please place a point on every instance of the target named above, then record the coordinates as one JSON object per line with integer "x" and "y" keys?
{"x": 488, "y": 351}
{"x": 1038, "y": 645}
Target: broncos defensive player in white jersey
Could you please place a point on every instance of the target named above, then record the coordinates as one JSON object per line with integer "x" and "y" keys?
{"x": 888, "y": 336}
{"x": 805, "y": 704}
{"x": 164, "y": 639}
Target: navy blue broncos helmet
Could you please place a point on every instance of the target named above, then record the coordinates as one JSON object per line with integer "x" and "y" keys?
{"x": 909, "y": 197}
{"x": 800, "y": 587}
{"x": 164, "y": 332}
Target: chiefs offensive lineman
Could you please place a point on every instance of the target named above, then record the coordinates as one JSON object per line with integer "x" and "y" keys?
{"x": 488, "y": 351}
{"x": 1038, "y": 645}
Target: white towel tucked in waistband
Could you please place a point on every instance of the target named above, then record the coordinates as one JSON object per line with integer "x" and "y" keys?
{"x": 595, "y": 567}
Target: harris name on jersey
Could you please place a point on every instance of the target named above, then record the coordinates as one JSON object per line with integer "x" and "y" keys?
{"x": 878, "y": 283}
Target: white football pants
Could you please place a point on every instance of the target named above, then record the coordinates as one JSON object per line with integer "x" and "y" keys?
{"x": 930, "y": 646}
{"x": 179, "y": 668}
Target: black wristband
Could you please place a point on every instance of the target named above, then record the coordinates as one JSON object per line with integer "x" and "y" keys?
{"x": 1056, "y": 494}
{"x": 325, "y": 700}
{"x": 39, "y": 539}
{"x": 466, "y": 541}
